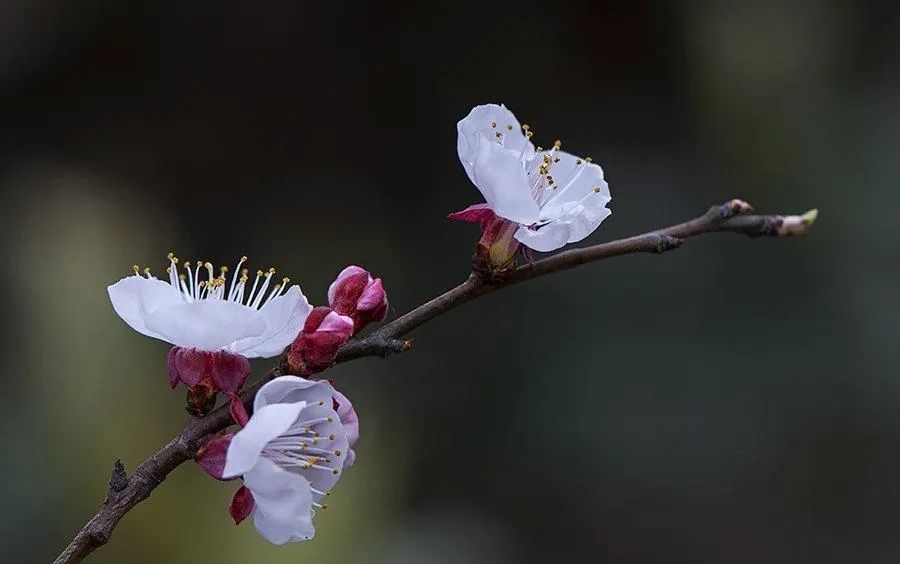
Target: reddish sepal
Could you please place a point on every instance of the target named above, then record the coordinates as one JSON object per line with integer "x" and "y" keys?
{"x": 241, "y": 505}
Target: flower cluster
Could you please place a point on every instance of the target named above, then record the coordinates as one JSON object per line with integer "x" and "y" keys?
{"x": 293, "y": 448}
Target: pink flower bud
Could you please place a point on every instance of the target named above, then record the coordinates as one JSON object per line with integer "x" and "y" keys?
{"x": 495, "y": 253}
{"x": 357, "y": 295}
{"x": 205, "y": 374}
{"x": 316, "y": 347}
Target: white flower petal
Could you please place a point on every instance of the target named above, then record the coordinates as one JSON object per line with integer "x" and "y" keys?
{"x": 135, "y": 298}
{"x": 282, "y": 503}
{"x": 284, "y": 317}
{"x": 265, "y": 425}
{"x": 576, "y": 181}
{"x": 500, "y": 176}
{"x": 488, "y": 120}
{"x": 208, "y": 325}
{"x": 292, "y": 389}
{"x": 584, "y": 220}
{"x": 548, "y": 238}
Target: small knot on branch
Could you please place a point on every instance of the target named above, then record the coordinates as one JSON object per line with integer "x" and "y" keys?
{"x": 665, "y": 243}
{"x": 147, "y": 477}
{"x": 118, "y": 478}
{"x": 731, "y": 209}
{"x": 98, "y": 538}
{"x": 387, "y": 347}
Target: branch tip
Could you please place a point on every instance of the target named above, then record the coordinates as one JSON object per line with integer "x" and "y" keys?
{"x": 791, "y": 225}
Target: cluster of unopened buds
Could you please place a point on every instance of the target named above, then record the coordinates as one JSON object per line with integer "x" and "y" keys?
{"x": 291, "y": 451}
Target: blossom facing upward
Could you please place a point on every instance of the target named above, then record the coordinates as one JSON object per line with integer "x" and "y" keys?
{"x": 360, "y": 297}
{"x": 215, "y": 325}
{"x": 201, "y": 310}
{"x": 290, "y": 454}
{"x": 552, "y": 197}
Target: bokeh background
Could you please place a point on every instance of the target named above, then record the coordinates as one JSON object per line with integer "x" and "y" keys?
{"x": 734, "y": 401}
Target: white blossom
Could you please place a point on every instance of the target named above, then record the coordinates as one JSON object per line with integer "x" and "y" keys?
{"x": 555, "y": 197}
{"x": 199, "y": 309}
{"x": 291, "y": 453}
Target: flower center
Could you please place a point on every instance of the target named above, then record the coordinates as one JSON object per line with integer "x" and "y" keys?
{"x": 305, "y": 446}
{"x": 539, "y": 170}
{"x": 201, "y": 283}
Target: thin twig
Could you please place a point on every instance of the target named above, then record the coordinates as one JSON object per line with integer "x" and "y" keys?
{"x": 125, "y": 493}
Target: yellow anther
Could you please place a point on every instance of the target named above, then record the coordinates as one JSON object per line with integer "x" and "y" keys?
{"x": 529, "y": 134}
{"x": 244, "y": 258}
{"x": 244, "y": 271}
{"x": 244, "y": 278}
{"x": 168, "y": 270}
{"x": 337, "y": 453}
{"x": 597, "y": 190}
{"x": 578, "y": 161}
{"x": 587, "y": 159}
{"x": 285, "y": 280}
{"x": 136, "y": 268}
{"x": 272, "y": 270}
{"x": 223, "y": 269}
{"x": 557, "y": 144}
{"x": 170, "y": 256}
{"x": 187, "y": 265}
{"x": 208, "y": 265}
{"x": 182, "y": 277}
{"x": 330, "y": 420}
{"x": 526, "y": 127}
{"x": 493, "y": 124}
{"x": 147, "y": 270}
{"x": 259, "y": 272}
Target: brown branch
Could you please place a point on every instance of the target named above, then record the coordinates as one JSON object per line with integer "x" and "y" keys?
{"x": 124, "y": 492}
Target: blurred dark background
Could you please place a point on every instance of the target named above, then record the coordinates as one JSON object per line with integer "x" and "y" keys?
{"x": 734, "y": 401}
